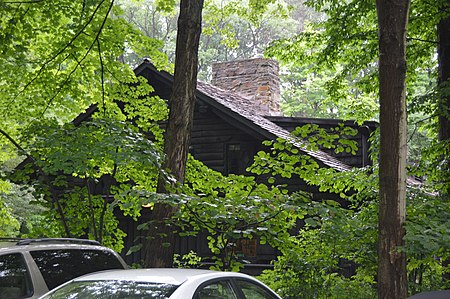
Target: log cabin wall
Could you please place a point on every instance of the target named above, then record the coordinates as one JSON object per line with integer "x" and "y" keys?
{"x": 221, "y": 145}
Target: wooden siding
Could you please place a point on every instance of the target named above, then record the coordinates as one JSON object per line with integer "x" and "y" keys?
{"x": 211, "y": 135}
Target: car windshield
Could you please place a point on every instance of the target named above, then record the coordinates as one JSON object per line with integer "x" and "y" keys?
{"x": 112, "y": 289}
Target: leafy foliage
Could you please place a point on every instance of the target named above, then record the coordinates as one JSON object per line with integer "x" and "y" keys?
{"x": 9, "y": 226}
{"x": 229, "y": 209}
{"x": 75, "y": 174}
{"x": 23, "y": 207}
{"x": 231, "y": 29}
{"x": 234, "y": 208}
{"x": 60, "y": 57}
{"x": 427, "y": 240}
{"x": 345, "y": 45}
{"x": 334, "y": 254}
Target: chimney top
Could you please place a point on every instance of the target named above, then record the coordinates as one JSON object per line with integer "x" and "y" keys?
{"x": 255, "y": 78}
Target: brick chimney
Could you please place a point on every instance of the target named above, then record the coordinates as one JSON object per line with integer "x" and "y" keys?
{"x": 255, "y": 78}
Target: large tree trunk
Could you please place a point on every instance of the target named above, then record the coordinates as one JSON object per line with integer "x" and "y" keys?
{"x": 392, "y": 21}
{"x": 444, "y": 80}
{"x": 444, "y": 73}
{"x": 160, "y": 248}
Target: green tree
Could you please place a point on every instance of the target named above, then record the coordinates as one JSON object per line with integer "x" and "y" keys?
{"x": 347, "y": 39}
{"x": 229, "y": 209}
{"x": 306, "y": 94}
{"x": 76, "y": 178}
{"x": 231, "y": 29}
{"x": 178, "y": 132}
{"x": 59, "y": 58}
{"x": 9, "y": 225}
{"x": 392, "y": 23}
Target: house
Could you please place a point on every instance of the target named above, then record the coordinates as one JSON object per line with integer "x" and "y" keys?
{"x": 232, "y": 117}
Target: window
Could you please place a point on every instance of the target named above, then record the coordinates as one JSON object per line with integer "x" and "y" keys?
{"x": 234, "y": 157}
{"x": 59, "y": 266}
{"x": 217, "y": 290}
{"x": 15, "y": 281}
{"x": 253, "y": 291}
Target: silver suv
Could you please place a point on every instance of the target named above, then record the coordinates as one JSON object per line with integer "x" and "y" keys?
{"x": 31, "y": 267}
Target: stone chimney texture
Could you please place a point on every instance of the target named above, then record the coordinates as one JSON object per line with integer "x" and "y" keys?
{"x": 256, "y": 79}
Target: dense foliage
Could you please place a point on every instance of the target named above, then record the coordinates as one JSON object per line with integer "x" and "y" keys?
{"x": 60, "y": 57}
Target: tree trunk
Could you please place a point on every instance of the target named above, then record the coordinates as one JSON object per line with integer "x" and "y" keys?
{"x": 444, "y": 73}
{"x": 444, "y": 81}
{"x": 160, "y": 247}
{"x": 392, "y": 21}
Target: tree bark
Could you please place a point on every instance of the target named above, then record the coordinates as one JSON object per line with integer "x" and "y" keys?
{"x": 443, "y": 32}
{"x": 444, "y": 73}
{"x": 160, "y": 247}
{"x": 392, "y": 21}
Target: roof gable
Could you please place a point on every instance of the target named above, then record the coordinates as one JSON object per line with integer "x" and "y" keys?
{"x": 243, "y": 111}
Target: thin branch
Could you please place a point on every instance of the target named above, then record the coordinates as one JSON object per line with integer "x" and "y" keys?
{"x": 44, "y": 65}
{"x": 17, "y": 145}
{"x": 80, "y": 61}
{"x": 253, "y": 224}
{"x": 23, "y": 2}
{"x": 102, "y": 76}
{"x": 196, "y": 215}
{"x": 416, "y": 127}
{"x": 47, "y": 179}
{"x": 422, "y": 40}
{"x": 91, "y": 206}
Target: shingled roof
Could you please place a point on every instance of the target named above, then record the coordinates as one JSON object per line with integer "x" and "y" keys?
{"x": 244, "y": 112}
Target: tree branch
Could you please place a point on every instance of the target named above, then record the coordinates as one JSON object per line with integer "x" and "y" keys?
{"x": 91, "y": 206}
{"x": 47, "y": 179}
{"x": 422, "y": 40}
{"x": 17, "y": 145}
{"x": 23, "y": 2}
{"x": 44, "y": 65}
{"x": 102, "y": 76}
{"x": 81, "y": 60}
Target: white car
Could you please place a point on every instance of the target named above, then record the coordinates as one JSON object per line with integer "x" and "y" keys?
{"x": 159, "y": 283}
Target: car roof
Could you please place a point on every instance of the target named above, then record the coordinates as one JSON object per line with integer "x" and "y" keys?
{"x": 23, "y": 245}
{"x": 432, "y": 295}
{"x": 159, "y": 275}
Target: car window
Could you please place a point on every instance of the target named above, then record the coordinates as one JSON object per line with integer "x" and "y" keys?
{"x": 254, "y": 291}
{"x": 112, "y": 289}
{"x": 217, "y": 290}
{"x": 15, "y": 281}
{"x": 59, "y": 266}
